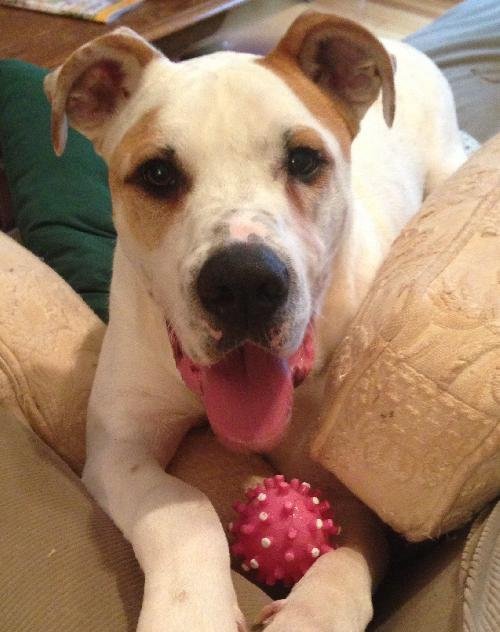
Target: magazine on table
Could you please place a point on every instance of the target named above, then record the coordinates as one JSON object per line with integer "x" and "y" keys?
{"x": 96, "y": 10}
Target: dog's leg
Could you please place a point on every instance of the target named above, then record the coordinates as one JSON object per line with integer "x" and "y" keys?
{"x": 335, "y": 595}
{"x": 175, "y": 532}
{"x": 138, "y": 413}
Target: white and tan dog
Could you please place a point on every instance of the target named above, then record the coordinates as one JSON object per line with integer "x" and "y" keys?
{"x": 254, "y": 199}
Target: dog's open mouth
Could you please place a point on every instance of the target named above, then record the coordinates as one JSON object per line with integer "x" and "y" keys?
{"x": 248, "y": 394}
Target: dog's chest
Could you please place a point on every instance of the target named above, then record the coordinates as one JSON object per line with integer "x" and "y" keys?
{"x": 292, "y": 457}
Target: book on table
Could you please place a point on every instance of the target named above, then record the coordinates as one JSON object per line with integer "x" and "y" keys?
{"x": 96, "y": 10}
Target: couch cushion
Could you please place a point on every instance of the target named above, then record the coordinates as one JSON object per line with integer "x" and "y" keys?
{"x": 412, "y": 418}
{"x": 49, "y": 343}
{"x": 61, "y": 205}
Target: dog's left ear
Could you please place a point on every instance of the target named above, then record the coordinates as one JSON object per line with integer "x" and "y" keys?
{"x": 344, "y": 59}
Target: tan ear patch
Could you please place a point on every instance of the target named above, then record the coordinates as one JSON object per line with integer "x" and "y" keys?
{"x": 94, "y": 81}
{"x": 342, "y": 59}
{"x": 330, "y": 112}
{"x": 147, "y": 217}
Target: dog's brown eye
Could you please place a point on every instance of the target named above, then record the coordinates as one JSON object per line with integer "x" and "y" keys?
{"x": 160, "y": 176}
{"x": 303, "y": 163}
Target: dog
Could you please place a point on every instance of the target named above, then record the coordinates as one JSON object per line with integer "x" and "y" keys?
{"x": 254, "y": 199}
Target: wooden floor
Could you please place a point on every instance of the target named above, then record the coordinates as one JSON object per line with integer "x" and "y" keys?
{"x": 390, "y": 18}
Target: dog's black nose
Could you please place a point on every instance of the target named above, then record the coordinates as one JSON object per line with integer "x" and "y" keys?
{"x": 243, "y": 286}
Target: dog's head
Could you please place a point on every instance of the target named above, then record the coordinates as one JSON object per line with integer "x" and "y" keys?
{"x": 230, "y": 182}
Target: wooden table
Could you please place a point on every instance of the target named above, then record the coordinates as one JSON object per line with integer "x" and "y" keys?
{"x": 47, "y": 40}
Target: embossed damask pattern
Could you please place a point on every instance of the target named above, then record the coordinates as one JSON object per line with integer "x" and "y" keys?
{"x": 49, "y": 344}
{"x": 412, "y": 421}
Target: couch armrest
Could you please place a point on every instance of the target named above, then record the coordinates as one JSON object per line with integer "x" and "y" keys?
{"x": 62, "y": 557}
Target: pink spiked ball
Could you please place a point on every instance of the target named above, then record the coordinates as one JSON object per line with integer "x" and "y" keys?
{"x": 281, "y": 529}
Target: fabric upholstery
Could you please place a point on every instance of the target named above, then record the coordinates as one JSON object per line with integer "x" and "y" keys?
{"x": 480, "y": 574}
{"x": 412, "y": 411}
{"x": 450, "y": 585}
{"x": 49, "y": 343}
{"x": 65, "y": 566}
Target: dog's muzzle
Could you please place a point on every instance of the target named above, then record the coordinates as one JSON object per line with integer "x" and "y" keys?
{"x": 243, "y": 287}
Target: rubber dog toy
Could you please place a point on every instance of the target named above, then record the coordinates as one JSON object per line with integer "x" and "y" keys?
{"x": 281, "y": 529}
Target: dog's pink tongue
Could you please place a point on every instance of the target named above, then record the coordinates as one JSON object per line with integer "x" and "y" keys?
{"x": 248, "y": 395}
{"x": 248, "y": 398}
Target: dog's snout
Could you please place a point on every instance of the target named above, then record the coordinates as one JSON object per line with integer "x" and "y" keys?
{"x": 243, "y": 286}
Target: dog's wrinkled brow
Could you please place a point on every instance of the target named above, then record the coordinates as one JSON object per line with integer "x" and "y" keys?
{"x": 302, "y": 136}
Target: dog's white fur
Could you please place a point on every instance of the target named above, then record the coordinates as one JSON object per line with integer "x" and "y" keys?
{"x": 225, "y": 114}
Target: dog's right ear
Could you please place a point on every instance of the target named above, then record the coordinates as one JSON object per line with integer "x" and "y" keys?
{"x": 95, "y": 82}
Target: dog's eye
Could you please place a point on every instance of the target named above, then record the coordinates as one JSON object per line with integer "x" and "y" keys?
{"x": 160, "y": 176}
{"x": 303, "y": 163}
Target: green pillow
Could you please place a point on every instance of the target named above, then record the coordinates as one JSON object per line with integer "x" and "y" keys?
{"x": 61, "y": 206}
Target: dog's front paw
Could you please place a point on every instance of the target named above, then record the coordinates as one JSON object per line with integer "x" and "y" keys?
{"x": 269, "y": 612}
{"x": 303, "y": 616}
{"x": 240, "y": 620}
{"x": 286, "y": 616}
{"x": 333, "y": 596}
{"x": 318, "y": 603}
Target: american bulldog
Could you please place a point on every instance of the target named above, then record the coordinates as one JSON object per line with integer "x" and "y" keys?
{"x": 254, "y": 199}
